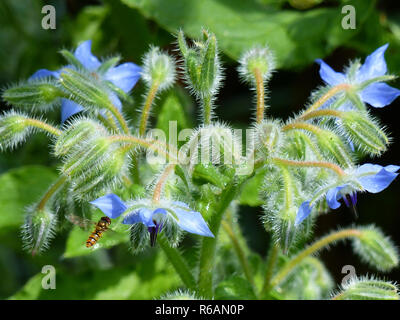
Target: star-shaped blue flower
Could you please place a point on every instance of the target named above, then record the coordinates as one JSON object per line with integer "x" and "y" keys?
{"x": 154, "y": 217}
{"x": 124, "y": 76}
{"x": 368, "y": 177}
{"x": 377, "y": 94}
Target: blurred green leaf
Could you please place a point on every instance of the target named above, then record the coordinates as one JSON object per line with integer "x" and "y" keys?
{"x": 20, "y": 188}
{"x": 250, "y": 194}
{"x": 235, "y": 288}
{"x": 239, "y": 25}
{"x": 151, "y": 276}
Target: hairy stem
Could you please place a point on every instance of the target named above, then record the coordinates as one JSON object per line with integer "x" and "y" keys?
{"x": 43, "y": 126}
{"x": 321, "y": 113}
{"x": 332, "y": 92}
{"x": 147, "y": 107}
{"x": 207, "y": 109}
{"x": 316, "y": 164}
{"x": 315, "y": 247}
{"x": 260, "y": 90}
{"x": 161, "y": 182}
{"x": 118, "y": 115}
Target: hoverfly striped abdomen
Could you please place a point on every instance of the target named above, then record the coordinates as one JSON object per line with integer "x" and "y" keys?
{"x": 101, "y": 226}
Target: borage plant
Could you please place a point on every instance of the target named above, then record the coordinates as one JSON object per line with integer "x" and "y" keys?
{"x": 157, "y": 191}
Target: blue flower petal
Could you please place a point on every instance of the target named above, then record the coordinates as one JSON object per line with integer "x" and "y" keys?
{"x": 111, "y": 205}
{"x": 44, "y": 73}
{"x": 374, "y": 65}
{"x": 142, "y": 215}
{"x": 303, "y": 212}
{"x": 124, "y": 76}
{"x": 68, "y": 109}
{"x": 84, "y": 54}
{"x": 378, "y": 179}
{"x": 329, "y": 75}
{"x": 193, "y": 222}
{"x": 332, "y": 197}
{"x": 379, "y": 94}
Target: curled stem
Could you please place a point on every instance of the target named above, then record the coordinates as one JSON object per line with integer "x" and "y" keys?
{"x": 315, "y": 247}
{"x": 53, "y": 189}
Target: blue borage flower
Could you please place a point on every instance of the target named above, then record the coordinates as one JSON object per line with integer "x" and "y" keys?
{"x": 124, "y": 76}
{"x": 377, "y": 94}
{"x": 368, "y": 177}
{"x": 154, "y": 216}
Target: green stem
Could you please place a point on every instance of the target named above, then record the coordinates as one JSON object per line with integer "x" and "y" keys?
{"x": 208, "y": 248}
{"x": 316, "y": 246}
{"x": 43, "y": 126}
{"x": 115, "y": 112}
{"x": 317, "y": 164}
{"x": 177, "y": 261}
{"x": 53, "y": 189}
{"x": 260, "y": 90}
{"x": 240, "y": 253}
{"x": 270, "y": 266}
{"x": 147, "y": 107}
{"x": 207, "y": 109}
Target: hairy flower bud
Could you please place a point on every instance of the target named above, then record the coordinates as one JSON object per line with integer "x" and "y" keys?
{"x": 87, "y": 157}
{"x": 158, "y": 69}
{"x": 201, "y": 64}
{"x": 85, "y": 89}
{"x": 376, "y": 249}
{"x": 76, "y": 132}
{"x": 365, "y": 132}
{"x": 40, "y": 94}
{"x": 107, "y": 175}
{"x": 38, "y": 230}
{"x": 256, "y": 62}
{"x": 368, "y": 289}
{"x": 332, "y": 146}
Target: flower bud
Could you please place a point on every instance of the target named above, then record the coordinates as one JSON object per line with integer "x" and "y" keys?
{"x": 85, "y": 89}
{"x": 376, "y": 249}
{"x": 107, "y": 175}
{"x": 364, "y": 132}
{"x": 258, "y": 61}
{"x": 14, "y": 129}
{"x": 41, "y": 94}
{"x": 202, "y": 66}
{"x": 38, "y": 230}
{"x": 368, "y": 289}
{"x": 77, "y": 132}
{"x": 332, "y": 146}
{"x": 158, "y": 68}
{"x": 87, "y": 157}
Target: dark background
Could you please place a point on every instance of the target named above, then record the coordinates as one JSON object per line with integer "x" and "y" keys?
{"x": 24, "y": 50}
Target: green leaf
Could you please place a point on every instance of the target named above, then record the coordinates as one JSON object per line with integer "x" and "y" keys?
{"x": 250, "y": 194}
{"x": 20, "y": 188}
{"x": 239, "y": 25}
{"x": 235, "y": 288}
{"x": 147, "y": 278}
{"x": 174, "y": 107}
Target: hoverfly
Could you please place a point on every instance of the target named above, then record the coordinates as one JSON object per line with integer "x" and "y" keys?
{"x": 101, "y": 226}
